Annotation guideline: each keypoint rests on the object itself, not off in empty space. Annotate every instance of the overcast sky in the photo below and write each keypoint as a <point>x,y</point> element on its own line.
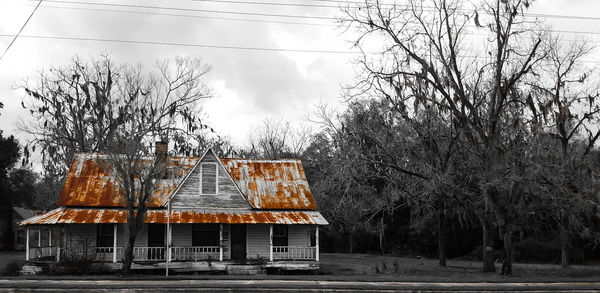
<point>250,85</point>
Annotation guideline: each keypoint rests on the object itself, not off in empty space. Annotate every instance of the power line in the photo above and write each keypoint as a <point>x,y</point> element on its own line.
<point>190,16</point>
<point>253,20</point>
<point>269,3</point>
<point>182,44</point>
<point>191,9</point>
<point>245,48</point>
<point>20,30</point>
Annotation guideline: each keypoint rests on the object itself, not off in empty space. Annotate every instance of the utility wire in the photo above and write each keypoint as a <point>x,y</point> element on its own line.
<point>182,44</point>
<point>245,48</point>
<point>20,30</point>
<point>269,3</point>
<point>190,9</point>
<point>190,16</point>
<point>361,4</point>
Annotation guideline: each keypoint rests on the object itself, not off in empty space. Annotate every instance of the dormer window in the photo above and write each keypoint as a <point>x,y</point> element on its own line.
<point>208,182</point>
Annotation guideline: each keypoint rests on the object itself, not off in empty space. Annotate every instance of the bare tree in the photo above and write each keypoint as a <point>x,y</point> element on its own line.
<point>277,138</point>
<point>120,111</point>
<point>565,115</point>
<point>425,44</point>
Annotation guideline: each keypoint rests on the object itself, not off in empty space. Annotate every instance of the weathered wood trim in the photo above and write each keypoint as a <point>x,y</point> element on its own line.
<point>27,244</point>
<point>201,181</point>
<point>271,242</point>
<point>114,243</point>
<point>317,242</point>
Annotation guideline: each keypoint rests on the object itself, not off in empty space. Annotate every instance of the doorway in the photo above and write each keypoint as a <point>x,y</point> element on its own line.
<point>156,238</point>
<point>238,241</point>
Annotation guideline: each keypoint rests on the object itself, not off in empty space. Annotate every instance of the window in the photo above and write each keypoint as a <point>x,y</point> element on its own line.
<point>280,235</point>
<point>205,235</point>
<point>208,182</point>
<point>20,237</point>
<point>105,235</point>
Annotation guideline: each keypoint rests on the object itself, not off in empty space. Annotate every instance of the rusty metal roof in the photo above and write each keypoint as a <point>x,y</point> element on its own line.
<point>64,215</point>
<point>91,183</point>
<point>266,184</point>
<point>272,184</point>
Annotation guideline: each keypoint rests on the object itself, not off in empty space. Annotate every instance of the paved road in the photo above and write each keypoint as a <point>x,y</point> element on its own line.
<point>19,285</point>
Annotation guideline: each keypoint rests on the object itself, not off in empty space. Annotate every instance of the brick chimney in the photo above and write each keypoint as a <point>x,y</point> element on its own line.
<point>160,152</point>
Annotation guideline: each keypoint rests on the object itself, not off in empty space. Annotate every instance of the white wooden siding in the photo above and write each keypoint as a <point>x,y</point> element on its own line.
<point>257,241</point>
<point>298,235</point>
<point>181,235</point>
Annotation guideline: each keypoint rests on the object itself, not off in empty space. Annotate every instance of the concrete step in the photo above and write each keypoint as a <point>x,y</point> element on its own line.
<point>245,269</point>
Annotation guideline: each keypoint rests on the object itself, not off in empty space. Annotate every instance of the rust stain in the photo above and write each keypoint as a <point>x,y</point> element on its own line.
<point>64,215</point>
<point>272,184</point>
<point>90,182</point>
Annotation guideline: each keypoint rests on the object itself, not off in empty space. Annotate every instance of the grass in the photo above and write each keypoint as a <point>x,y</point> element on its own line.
<point>364,267</point>
<point>419,269</point>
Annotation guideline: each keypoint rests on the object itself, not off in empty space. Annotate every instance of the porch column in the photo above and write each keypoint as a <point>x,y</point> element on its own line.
<point>50,237</point>
<point>317,242</point>
<point>40,238</point>
<point>220,242</point>
<point>115,242</point>
<point>27,243</point>
<point>271,242</point>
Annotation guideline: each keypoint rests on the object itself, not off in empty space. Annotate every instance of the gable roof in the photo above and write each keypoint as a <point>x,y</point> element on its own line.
<point>265,184</point>
<point>23,212</point>
<point>272,184</point>
<point>228,194</point>
<point>89,183</point>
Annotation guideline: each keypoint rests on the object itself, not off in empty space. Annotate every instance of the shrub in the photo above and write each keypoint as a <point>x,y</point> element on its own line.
<point>13,268</point>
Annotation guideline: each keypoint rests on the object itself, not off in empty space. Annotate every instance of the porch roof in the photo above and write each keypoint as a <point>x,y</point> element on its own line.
<point>64,215</point>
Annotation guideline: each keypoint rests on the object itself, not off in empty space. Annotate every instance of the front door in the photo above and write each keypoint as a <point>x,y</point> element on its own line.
<point>156,241</point>
<point>238,241</point>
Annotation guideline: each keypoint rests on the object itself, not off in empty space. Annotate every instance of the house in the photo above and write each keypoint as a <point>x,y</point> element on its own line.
<point>207,213</point>
<point>12,236</point>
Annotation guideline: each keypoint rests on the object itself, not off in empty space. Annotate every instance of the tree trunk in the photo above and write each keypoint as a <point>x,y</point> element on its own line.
<point>350,244</point>
<point>441,235</point>
<point>130,244</point>
<point>488,245</point>
<point>9,239</point>
<point>564,243</point>
<point>508,251</point>
<point>381,236</point>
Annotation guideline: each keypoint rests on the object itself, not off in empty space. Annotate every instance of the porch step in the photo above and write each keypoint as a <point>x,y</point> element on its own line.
<point>235,269</point>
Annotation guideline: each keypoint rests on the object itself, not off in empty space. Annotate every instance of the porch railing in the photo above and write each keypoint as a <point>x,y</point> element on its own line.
<point>195,253</point>
<point>294,252</point>
<point>43,252</point>
<point>149,253</point>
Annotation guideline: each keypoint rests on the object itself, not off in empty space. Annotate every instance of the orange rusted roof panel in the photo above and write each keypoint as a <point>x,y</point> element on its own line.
<point>272,184</point>
<point>65,215</point>
<point>91,182</point>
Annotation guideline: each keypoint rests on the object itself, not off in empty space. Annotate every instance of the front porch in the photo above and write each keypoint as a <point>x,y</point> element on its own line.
<point>236,244</point>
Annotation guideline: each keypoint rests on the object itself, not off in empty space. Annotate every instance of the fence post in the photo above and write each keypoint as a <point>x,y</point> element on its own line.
<point>317,243</point>
<point>271,242</point>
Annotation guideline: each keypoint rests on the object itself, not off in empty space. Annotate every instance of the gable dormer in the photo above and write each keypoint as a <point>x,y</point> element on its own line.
<point>209,185</point>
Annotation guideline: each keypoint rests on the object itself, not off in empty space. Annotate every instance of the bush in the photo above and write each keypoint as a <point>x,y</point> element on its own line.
<point>535,250</point>
<point>13,268</point>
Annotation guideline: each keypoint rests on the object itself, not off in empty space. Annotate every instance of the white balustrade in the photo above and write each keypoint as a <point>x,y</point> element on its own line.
<point>195,253</point>
<point>294,252</point>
